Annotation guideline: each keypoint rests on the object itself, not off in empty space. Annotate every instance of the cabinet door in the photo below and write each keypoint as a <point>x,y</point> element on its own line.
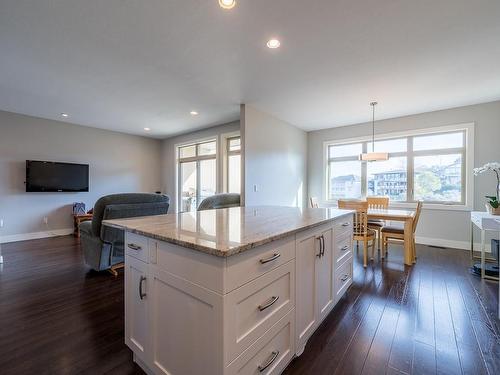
<point>325,292</point>
<point>307,253</point>
<point>136,306</point>
<point>186,326</point>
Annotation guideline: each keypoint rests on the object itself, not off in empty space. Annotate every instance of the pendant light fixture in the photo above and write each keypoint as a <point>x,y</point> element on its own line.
<point>373,156</point>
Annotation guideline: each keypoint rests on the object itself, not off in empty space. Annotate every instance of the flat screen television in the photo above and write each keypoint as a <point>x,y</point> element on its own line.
<point>48,176</point>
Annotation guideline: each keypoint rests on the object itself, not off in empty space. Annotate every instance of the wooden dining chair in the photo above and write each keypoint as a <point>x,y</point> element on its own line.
<point>361,232</point>
<point>314,202</point>
<point>396,234</point>
<point>377,203</point>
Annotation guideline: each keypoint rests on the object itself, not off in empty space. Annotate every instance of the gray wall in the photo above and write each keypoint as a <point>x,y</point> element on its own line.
<point>169,160</point>
<point>118,163</point>
<point>275,159</point>
<point>452,227</point>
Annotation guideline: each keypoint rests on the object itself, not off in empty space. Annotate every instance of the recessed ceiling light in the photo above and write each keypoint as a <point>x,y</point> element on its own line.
<point>193,113</point>
<point>147,129</point>
<point>64,115</point>
<point>273,43</point>
<point>227,4</point>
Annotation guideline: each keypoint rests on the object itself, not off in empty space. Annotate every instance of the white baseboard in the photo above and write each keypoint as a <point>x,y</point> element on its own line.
<point>463,245</point>
<point>35,235</point>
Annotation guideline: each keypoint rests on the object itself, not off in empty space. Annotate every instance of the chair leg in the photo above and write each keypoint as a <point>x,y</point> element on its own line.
<point>380,239</point>
<point>115,267</point>
<point>365,253</point>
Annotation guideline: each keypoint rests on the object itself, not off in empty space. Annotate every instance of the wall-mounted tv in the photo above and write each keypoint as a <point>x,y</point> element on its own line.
<point>48,176</point>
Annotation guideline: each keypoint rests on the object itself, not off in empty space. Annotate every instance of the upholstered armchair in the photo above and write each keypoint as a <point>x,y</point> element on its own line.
<point>103,246</point>
<point>220,201</point>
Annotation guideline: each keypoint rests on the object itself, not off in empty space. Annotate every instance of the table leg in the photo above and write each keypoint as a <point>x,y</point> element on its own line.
<point>482,253</point>
<point>408,253</point>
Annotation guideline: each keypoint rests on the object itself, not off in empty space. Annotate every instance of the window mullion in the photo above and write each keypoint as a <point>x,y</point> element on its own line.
<point>364,171</point>
<point>410,163</point>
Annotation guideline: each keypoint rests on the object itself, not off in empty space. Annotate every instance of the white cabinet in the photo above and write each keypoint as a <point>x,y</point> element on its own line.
<point>136,307</point>
<point>185,326</point>
<point>315,281</point>
<point>189,312</point>
<point>324,276</point>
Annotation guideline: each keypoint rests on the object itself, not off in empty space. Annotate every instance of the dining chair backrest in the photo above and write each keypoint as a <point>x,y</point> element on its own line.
<point>314,202</point>
<point>378,202</point>
<point>418,210</point>
<point>360,225</point>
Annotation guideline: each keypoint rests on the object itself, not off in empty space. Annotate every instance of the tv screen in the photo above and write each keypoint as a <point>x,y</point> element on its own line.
<point>48,176</point>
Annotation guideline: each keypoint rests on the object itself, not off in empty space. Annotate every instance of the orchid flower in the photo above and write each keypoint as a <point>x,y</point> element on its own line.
<point>495,168</point>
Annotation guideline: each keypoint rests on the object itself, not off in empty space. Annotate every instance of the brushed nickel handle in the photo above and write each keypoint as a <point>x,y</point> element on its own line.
<point>323,247</point>
<point>345,248</point>
<point>344,278</point>
<point>141,293</point>
<point>270,259</point>
<point>345,224</point>
<point>133,246</point>
<point>270,361</point>
<point>269,303</point>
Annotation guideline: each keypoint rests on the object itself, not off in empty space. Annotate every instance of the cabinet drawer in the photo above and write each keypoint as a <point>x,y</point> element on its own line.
<point>251,264</point>
<point>136,246</point>
<point>271,353</point>
<point>255,307</point>
<point>342,225</point>
<point>342,248</point>
<point>343,278</point>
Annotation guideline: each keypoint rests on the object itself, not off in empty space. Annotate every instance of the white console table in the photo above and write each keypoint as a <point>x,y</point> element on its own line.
<point>485,222</point>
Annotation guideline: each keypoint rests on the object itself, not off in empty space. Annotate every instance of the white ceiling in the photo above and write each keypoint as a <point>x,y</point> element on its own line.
<point>129,64</point>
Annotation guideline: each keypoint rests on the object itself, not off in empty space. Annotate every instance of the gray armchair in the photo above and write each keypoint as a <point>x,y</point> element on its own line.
<point>103,246</point>
<point>220,201</point>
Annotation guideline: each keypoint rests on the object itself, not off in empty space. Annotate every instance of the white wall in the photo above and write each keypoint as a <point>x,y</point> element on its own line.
<point>450,228</point>
<point>169,159</point>
<point>118,163</point>
<point>275,159</point>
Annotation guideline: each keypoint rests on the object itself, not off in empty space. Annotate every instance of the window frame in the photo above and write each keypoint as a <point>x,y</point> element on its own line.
<point>467,153</point>
<point>225,139</point>
<point>197,158</point>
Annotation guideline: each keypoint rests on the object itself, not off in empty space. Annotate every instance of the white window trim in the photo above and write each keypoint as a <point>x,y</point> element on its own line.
<point>469,163</point>
<point>225,160</point>
<point>177,146</point>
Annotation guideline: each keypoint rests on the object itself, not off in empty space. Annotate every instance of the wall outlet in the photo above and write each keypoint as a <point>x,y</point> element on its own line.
<point>45,220</point>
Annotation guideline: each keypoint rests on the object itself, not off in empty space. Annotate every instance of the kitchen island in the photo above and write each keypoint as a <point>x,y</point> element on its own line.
<point>231,291</point>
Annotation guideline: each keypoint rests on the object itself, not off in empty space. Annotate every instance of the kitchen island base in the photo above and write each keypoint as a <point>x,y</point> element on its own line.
<point>191,312</point>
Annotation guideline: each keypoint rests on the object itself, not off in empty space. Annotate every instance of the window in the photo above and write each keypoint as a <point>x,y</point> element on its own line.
<point>428,167</point>
<point>197,173</point>
<point>233,170</point>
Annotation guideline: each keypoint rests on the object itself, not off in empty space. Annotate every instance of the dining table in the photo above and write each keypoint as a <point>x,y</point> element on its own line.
<point>400,215</point>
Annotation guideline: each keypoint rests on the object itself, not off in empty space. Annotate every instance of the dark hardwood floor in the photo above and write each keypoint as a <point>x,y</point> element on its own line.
<point>56,317</point>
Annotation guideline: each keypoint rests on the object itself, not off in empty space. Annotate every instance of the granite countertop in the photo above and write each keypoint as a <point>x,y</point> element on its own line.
<point>228,231</point>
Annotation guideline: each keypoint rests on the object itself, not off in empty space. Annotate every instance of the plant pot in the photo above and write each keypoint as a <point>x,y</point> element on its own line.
<point>492,210</point>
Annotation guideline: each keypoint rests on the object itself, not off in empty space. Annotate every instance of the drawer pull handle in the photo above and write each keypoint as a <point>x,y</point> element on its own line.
<point>270,361</point>
<point>133,246</point>
<point>270,259</point>
<point>141,293</point>
<point>345,248</point>
<point>344,278</point>
<point>269,303</point>
<point>346,224</point>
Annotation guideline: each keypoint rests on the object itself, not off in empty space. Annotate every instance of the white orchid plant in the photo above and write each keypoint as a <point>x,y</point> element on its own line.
<point>494,201</point>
